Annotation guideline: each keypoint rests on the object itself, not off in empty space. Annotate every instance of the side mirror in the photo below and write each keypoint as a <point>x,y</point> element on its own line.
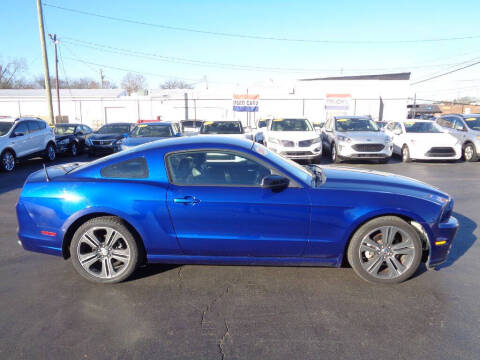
<point>397,132</point>
<point>18,133</point>
<point>275,182</point>
<point>178,134</point>
<point>126,135</point>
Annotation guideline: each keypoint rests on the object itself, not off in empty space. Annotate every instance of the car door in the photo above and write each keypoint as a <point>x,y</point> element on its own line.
<point>218,207</point>
<point>459,130</point>
<point>35,141</point>
<point>19,139</point>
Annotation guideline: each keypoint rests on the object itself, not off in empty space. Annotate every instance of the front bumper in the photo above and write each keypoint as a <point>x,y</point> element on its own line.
<point>102,149</point>
<point>441,243</point>
<point>426,153</point>
<point>297,152</point>
<point>347,150</point>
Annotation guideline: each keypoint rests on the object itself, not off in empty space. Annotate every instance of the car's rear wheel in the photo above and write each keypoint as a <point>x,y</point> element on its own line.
<point>50,153</point>
<point>406,154</point>
<point>385,250</point>
<point>8,161</point>
<point>469,152</point>
<point>104,250</point>
<point>74,149</point>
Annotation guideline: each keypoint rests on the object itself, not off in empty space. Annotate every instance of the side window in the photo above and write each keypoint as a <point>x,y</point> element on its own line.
<point>33,126</point>
<point>459,125</point>
<point>390,126</point>
<point>212,167</point>
<point>21,128</point>
<point>41,125</point>
<point>129,169</point>
<point>448,122</point>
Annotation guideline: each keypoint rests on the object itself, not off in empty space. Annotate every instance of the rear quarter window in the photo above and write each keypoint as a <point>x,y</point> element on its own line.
<point>129,169</point>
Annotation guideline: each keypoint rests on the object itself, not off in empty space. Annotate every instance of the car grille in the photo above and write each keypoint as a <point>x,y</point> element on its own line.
<point>368,147</point>
<point>440,152</point>
<point>101,142</point>
<point>287,143</point>
<point>298,153</point>
<point>305,143</point>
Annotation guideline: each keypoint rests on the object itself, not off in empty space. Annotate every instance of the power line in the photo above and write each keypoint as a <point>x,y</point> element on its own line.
<point>448,72</point>
<point>256,37</point>
<point>189,61</point>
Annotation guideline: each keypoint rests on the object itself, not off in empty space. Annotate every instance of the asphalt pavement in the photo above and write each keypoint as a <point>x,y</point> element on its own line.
<point>244,312</point>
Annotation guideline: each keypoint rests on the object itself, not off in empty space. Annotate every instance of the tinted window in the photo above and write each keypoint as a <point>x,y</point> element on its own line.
<point>21,128</point>
<point>473,122</point>
<point>64,129</point>
<point>215,168</point>
<point>222,127</point>
<point>130,169</point>
<point>41,124</point>
<point>355,124</point>
<point>114,129</point>
<point>33,126</point>
<point>421,127</point>
<point>86,129</point>
<point>5,127</point>
<point>152,131</point>
<point>291,125</point>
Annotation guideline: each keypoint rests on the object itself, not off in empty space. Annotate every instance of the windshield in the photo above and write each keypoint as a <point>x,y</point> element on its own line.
<point>152,131</point>
<point>5,127</point>
<point>421,127</point>
<point>64,129</point>
<point>355,124</point>
<point>192,124</point>
<point>473,122</point>
<point>291,125</point>
<point>114,129</point>
<point>222,127</point>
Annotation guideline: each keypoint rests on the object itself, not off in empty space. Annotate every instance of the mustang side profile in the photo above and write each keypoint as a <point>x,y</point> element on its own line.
<point>220,200</point>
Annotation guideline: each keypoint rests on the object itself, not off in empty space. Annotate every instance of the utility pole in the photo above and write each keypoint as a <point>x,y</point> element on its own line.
<point>45,62</point>
<point>414,105</point>
<point>186,106</point>
<point>55,42</point>
<point>102,79</point>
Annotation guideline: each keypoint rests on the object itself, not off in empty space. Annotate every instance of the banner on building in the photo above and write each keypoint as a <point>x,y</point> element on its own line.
<point>337,105</point>
<point>245,102</point>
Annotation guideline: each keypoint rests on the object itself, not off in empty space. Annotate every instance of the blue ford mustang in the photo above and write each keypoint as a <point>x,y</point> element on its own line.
<point>214,200</point>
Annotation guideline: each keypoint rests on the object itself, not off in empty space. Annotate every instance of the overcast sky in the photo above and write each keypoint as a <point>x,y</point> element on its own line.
<point>87,41</point>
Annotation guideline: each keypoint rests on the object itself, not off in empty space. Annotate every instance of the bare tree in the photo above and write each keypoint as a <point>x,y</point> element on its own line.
<point>176,84</point>
<point>133,82</point>
<point>10,73</point>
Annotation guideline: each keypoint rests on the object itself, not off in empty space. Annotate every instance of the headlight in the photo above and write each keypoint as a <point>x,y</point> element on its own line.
<point>273,141</point>
<point>478,137</point>
<point>344,138</point>
<point>316,140</point>
<point>63,142</point>
<point>388,140</point>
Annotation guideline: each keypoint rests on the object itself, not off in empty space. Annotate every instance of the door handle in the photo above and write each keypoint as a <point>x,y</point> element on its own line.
<point>187,200</point>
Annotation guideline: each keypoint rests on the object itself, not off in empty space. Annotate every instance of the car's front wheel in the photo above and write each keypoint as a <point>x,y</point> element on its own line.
<point>469,152</point>
<point>334,154</point>
<point>385,250</point>
<point>8,161</point>
<point>103,250</point>
<point>406,154</point>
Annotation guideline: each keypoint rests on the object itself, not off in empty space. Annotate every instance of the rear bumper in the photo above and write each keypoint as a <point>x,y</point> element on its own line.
<point>441,243</point>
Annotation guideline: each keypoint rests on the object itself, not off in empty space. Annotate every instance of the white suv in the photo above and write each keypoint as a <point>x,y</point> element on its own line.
<point>24,137</point>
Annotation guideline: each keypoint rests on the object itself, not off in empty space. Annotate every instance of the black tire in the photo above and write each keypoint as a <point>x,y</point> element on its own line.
<point>50,153</point>
<point>126,239</point>
<point>354,253</point>
<point>469,152</point>
<point>74,149</point>
<point>8,161</point>
<point>406,154</point>
<point>334,154</point>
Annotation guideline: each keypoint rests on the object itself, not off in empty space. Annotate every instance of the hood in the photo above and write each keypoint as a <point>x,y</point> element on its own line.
<point>364,136</point>
<point>62,137</point>
<point>134,141</point>
<point>368,180</point>
<point>433,139</point>
<point>293,135</point>
<point>105,136</point>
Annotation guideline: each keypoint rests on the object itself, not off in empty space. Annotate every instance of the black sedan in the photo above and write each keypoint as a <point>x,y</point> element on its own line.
<point>70,138</point>
<point>106,139</point>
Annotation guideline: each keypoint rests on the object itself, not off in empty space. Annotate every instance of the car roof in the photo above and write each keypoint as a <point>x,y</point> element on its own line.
<point>207,140</point>
<point>352,117</point>
<point>119,123</point>
<point>7,119</point>
<point>69,124</point>
<point>163,123</point>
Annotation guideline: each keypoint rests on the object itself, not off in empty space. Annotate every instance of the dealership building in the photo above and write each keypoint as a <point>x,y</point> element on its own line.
<point>381,96</point>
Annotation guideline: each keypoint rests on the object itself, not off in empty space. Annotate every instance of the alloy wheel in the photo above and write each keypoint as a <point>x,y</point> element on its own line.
<point>468,152</point>
<point>103,252</point>
<point>387,252</point>
<point>334,153</point>
<point>8,161</point>
<point>51,152</point>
